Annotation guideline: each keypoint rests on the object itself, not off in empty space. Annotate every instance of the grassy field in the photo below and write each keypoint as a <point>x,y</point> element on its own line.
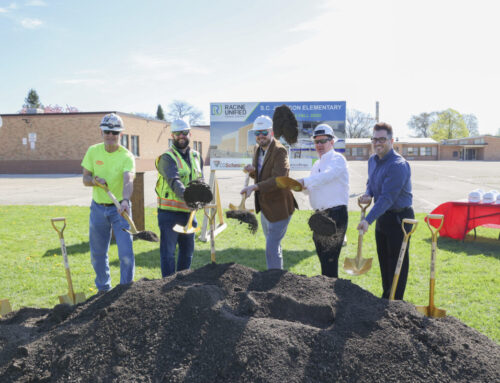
<point>32,274</point>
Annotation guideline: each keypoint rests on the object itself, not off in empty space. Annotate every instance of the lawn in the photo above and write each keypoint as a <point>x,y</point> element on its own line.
<point>32,273</point>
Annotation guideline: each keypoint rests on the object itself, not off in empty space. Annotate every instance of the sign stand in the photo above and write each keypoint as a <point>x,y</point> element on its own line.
<point>215,211</point>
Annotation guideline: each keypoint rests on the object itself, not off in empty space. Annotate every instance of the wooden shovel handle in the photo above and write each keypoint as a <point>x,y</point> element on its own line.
<point>434,216</point>
<point>59,219</point>
<point>118,206</point>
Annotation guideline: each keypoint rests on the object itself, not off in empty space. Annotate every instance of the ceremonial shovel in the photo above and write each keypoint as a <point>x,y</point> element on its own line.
<point>188,229</point>
<point>243,198</point>
<point>284,182</point>
<point>359,265</point>
<point>5,307</point>
<point>71,298</point>
<point>144,235</point>
<point>210,212</point>
<point>409,221</point>
<point>431,310</point>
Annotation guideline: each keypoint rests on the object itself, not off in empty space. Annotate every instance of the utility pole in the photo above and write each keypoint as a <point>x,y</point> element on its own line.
<point>376,111</point>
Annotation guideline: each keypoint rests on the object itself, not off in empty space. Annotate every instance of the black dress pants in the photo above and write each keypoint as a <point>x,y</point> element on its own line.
<point>328,247</point>
<point>389,237</point>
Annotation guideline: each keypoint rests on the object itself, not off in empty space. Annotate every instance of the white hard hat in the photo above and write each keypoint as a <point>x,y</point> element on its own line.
<point>323,130</point>
<point>112,122</point>
<point>179,125</point>
<point>262,123</point>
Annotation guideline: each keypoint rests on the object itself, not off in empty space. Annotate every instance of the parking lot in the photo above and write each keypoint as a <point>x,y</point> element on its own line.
<point>434,182</point>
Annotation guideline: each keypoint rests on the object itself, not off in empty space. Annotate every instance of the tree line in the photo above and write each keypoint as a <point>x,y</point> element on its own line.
<point>438,125</point>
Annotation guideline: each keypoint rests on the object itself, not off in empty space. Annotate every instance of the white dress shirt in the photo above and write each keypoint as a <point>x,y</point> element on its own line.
<point>328,183</point>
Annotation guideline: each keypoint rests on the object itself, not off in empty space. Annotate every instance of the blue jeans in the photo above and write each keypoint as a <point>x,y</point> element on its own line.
<point>274,233</point>
<point>102,219</point>
<point>169,239</point>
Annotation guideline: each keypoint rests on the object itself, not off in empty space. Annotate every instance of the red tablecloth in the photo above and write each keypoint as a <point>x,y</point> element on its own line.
<point>462,217</point>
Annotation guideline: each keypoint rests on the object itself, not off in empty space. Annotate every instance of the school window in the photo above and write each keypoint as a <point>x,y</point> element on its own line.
<point>200,149</point>
<point>170,142</point>
<point>425,151</point>
<point>135,146</point>
<point>455,154</point>
<point>124,140</point>
<point>412,151</point>
<point>195,145</point>
<point>347,151</point>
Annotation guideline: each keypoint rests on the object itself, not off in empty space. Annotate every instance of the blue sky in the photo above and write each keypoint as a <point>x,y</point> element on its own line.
<point>130,56</point>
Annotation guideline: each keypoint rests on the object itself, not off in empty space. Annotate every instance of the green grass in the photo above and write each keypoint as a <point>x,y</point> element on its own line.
<point>32,274</point>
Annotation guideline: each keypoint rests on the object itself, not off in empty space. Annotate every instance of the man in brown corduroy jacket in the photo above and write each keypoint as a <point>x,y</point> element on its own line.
<point>276,205</point>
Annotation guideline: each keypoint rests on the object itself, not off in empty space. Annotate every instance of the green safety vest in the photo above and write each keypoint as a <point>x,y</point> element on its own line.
<point>167,199</point>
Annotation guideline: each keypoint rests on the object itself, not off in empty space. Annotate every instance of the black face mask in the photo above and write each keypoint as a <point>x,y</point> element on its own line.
<point>177,144</point>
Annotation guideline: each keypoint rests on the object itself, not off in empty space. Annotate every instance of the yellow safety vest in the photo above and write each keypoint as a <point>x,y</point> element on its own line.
<point>167,199</point>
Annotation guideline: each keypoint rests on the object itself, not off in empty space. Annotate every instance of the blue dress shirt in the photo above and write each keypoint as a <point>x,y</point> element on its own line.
<point>389,182</point>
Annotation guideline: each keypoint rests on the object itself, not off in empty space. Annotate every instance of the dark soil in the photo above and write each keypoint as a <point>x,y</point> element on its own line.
<point>321,224</point>
<point>230,323</point>
<point>197,194</point>
<point>244,216</point>
<point>285,124</point>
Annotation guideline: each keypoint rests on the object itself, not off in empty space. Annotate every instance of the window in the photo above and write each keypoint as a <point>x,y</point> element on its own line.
<point>135,146</point>
<point>347,151</point>
<point>412,151</point>
<point>425,150</point>
<point>455,154</point>
<point>195,145</point>
<point>124,140</point>
<point>170,142</point>
<point>479,141</point>
<point>199,149</point>
<point>358,151</point>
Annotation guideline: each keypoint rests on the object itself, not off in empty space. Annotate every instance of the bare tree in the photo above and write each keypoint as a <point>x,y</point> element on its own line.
<point>471,123</point>
<point>421,123</point>
<point>359,124</point>
<point>182,109</point>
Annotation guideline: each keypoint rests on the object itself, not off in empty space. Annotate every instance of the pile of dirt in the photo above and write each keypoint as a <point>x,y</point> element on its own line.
<point>285,124</point>
<point>197,194</point>
<point>230,323</point>
<point>244,216</point>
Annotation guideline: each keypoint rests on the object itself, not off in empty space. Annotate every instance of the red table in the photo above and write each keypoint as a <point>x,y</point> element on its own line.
<point>462,217</point>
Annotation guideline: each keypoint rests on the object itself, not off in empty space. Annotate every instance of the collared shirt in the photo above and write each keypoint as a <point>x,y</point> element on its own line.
<point>328,183</point>
<point>260,159</point>
<point>389,182</point>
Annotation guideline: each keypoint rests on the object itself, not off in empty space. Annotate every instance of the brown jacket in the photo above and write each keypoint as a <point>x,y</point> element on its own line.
<point>276,204</point>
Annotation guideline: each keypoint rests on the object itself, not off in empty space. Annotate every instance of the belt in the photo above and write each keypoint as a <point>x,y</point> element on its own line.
<point>105,204</point>
<point>335,208</point>
<point>399,210</point>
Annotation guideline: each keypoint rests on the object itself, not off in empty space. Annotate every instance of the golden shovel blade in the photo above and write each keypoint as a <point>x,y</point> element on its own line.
<point>79,298</point>
<point>432,312</point>
<point>185,230</point>
<point>352,267</point>
<point>288,183</point>
<point>5,307</point>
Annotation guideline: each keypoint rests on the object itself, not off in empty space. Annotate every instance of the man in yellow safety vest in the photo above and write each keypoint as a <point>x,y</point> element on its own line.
<point>176,168</point>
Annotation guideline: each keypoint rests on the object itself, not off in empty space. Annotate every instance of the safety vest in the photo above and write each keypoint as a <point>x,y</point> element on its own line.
<point>167,199</point>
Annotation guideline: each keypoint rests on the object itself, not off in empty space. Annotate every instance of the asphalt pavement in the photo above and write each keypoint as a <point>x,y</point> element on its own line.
<point>434,182</point>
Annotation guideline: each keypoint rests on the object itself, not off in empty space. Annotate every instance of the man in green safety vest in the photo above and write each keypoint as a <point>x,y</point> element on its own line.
<point>176,168</point>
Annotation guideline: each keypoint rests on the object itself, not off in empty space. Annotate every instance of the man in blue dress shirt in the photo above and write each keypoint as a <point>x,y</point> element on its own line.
<point>389,183</point>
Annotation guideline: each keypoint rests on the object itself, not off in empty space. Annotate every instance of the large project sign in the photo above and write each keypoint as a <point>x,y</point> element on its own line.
<point>232,144</point>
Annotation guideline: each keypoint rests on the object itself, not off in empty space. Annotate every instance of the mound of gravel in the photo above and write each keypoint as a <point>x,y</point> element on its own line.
<point>230,323</point>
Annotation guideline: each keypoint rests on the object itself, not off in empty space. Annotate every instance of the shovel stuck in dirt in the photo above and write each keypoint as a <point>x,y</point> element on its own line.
<point>242,214</point>
<point>71,298</point>
<point>144,235</point>
<point>359,265</point>
<point>5,307</point>
<point>210,212</point>
<point>409,221</point>
<point>431,310</point>
<point>197,195</point>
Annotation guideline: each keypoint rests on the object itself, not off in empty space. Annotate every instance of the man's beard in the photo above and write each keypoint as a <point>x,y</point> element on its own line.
<point>183,145</point>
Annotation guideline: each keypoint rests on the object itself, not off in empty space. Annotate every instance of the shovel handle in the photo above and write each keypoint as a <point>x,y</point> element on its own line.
<point>118,206</point>
<point>409,221</point>
<point>59,219</point>
<point>363,207</point>
<point>436,230</point>
<point>360,245</point>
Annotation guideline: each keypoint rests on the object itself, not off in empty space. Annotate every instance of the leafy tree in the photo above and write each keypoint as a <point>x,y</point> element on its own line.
<point>182,109</point>
<point>449,124</point>
<point>471,124</point>
<point>358,124</point>
<point>159,113</point>
<point>32,100</point>
<point>420,124</point>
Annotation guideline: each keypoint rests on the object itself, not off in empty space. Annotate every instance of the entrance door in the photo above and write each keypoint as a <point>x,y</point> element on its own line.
<point>470,154</point>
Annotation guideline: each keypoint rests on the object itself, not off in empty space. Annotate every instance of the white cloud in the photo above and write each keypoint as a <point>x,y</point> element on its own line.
<point>184,66</point>
<point>12,6</point>
<point>31,23</point>
<point>3,10</point>
<point>36,3</point>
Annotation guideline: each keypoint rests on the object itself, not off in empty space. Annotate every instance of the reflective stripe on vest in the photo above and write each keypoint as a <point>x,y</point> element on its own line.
<point>167,200</point>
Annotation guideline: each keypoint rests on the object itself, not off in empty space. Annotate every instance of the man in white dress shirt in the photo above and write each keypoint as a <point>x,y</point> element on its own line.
<point>328,189</point>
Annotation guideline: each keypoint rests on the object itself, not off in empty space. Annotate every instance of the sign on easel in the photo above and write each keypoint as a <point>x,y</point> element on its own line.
<point>221,225</point>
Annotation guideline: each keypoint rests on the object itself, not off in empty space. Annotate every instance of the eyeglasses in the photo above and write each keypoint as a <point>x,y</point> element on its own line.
<point>322,141</point>
<point>259,132</point>
<point>183,132</point>
<point>114,133</point>
<point>381,140</point>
